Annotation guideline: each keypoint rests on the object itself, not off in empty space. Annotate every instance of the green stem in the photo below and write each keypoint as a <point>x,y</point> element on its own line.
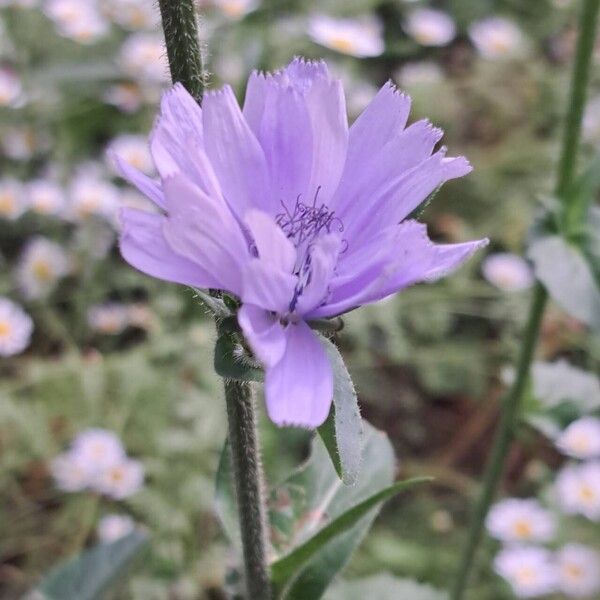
<point>185,61</point>
<point>245,458</point>
<point>512,402</point>
<point>183,47</point>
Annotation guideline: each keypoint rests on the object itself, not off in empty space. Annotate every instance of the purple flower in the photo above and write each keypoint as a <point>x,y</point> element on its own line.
<point>284,206</point>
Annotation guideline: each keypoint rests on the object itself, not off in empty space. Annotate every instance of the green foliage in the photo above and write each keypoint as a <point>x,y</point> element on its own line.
<point>94,572</point>
<point>383,587</point>
<point>232,362</point>
<point>342,433</point>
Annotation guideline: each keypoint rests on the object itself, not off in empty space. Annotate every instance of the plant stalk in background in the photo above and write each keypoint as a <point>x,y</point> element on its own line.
<point>572,217</point>
<point>185,62</point>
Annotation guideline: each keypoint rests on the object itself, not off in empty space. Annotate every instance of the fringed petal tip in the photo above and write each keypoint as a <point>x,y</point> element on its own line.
<point>391,87</point>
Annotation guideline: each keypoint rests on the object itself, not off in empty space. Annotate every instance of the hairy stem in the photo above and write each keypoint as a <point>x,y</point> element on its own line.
<point>245,457</point>
<point>183,46</point>
<point>185,62</point>
<point>512,401</point>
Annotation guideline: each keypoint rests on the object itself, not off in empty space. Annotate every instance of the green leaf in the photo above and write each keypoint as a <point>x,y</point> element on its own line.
<point>564,271</point>
<point>225,502</point>
<point>285,568</point>
<point>214,305</point>
<point>91,574</point>
<point>342,432</point>
<point>383,587</point>
<point>231,361</point>
<point>314,497</point>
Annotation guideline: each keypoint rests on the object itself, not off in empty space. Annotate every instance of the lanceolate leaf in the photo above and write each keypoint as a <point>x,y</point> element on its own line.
<point>231,362</point>
<point>285,568</point>
<point>342,433</point>
<point>91,574</point>
<point>314,497</point>
<point>565,273</point>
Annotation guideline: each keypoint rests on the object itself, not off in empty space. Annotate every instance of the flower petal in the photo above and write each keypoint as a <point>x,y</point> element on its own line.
<point>146,185</point>
<point>236,155</point>
<point>383,119</point>
<point>267,286</point>
<point>144,247</point>
<point>203,229</point>
<point>299,388</point>
<point>264,333</point>
<point>272,244</point>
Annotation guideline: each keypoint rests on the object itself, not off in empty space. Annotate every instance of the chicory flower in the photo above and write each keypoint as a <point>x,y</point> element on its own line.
<point>299,216</point>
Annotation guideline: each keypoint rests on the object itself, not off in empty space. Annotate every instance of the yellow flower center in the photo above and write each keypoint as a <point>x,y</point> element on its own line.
<point>234,8</point>
<point>526,575</point>
<point>117,475</point>
<point>587,494</point>
<point>573,571</point>
<point>5,329</point>
<point>7,203</point>
<point>522,529</point>
<point>342,44</point>
<point>42,270</point>
<point>500,45</point>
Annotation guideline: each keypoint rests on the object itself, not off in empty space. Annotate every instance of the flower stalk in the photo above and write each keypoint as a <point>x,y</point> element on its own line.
<point>185,63</point>
<point>573,218</point>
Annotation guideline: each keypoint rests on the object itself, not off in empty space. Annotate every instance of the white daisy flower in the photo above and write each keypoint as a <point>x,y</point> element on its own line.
<point>69,473</point>
<point>110,318</point>
<point>133,149</point>
<point>143,58</point>
<point>581,439</point>
<point>236,9</point>
<point>45,197</point>
<point>132,14</point>
<point>128,97</point>
<point>356,37</point>
<point>528,569</point>
<point>12,199</point>
<point>121,480</point>
<point>91,195</point>
<point>16,328</point>
<point>23,142</point>
<point>114,527</point>
<point>41,265</point>
<point>578,571</point>
<point>11,89</point>
<point>496,38</point>
<point>517,520</point>
<point>417,74</point>
<point>79,20</point>
<point>578,490</point>
<point>508,272</point>
<point>430,27</point>
<point>98,450</point>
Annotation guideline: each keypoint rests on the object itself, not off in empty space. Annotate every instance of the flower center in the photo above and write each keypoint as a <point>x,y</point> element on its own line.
<point>4,329</point>
<point>522,529</point>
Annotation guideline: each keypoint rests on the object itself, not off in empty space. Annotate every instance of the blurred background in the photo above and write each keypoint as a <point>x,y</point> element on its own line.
<point>94,355</point>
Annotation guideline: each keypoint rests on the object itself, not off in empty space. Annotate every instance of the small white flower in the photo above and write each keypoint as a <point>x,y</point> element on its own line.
<point>132,14</point>
<point>98,450</point>
<point>110,318</point>
<point>113,527</point>
<point>430,27</point>
<point>70,474</point>
<point>41,265</point>
<point>517,520</point>
<point>581,439</point>
<point>416,74</point>
<point>528,570</point>
<point>121,480</point>
<point>578,571</point>
<point>78,20</point>
<point>356,37</point>
<point>23,142</point>
<point>11,89</point>
<point>45,197</point>
<point>12,199</point>
<point>127,97</point>
<point>133,149</point>
<point>91,195</point>
<point>236,9</point>
<point>578,490</point>
<point>143,58</point>
<point>496,37</point>
<point>507,272</point>
<point>16,328</point>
